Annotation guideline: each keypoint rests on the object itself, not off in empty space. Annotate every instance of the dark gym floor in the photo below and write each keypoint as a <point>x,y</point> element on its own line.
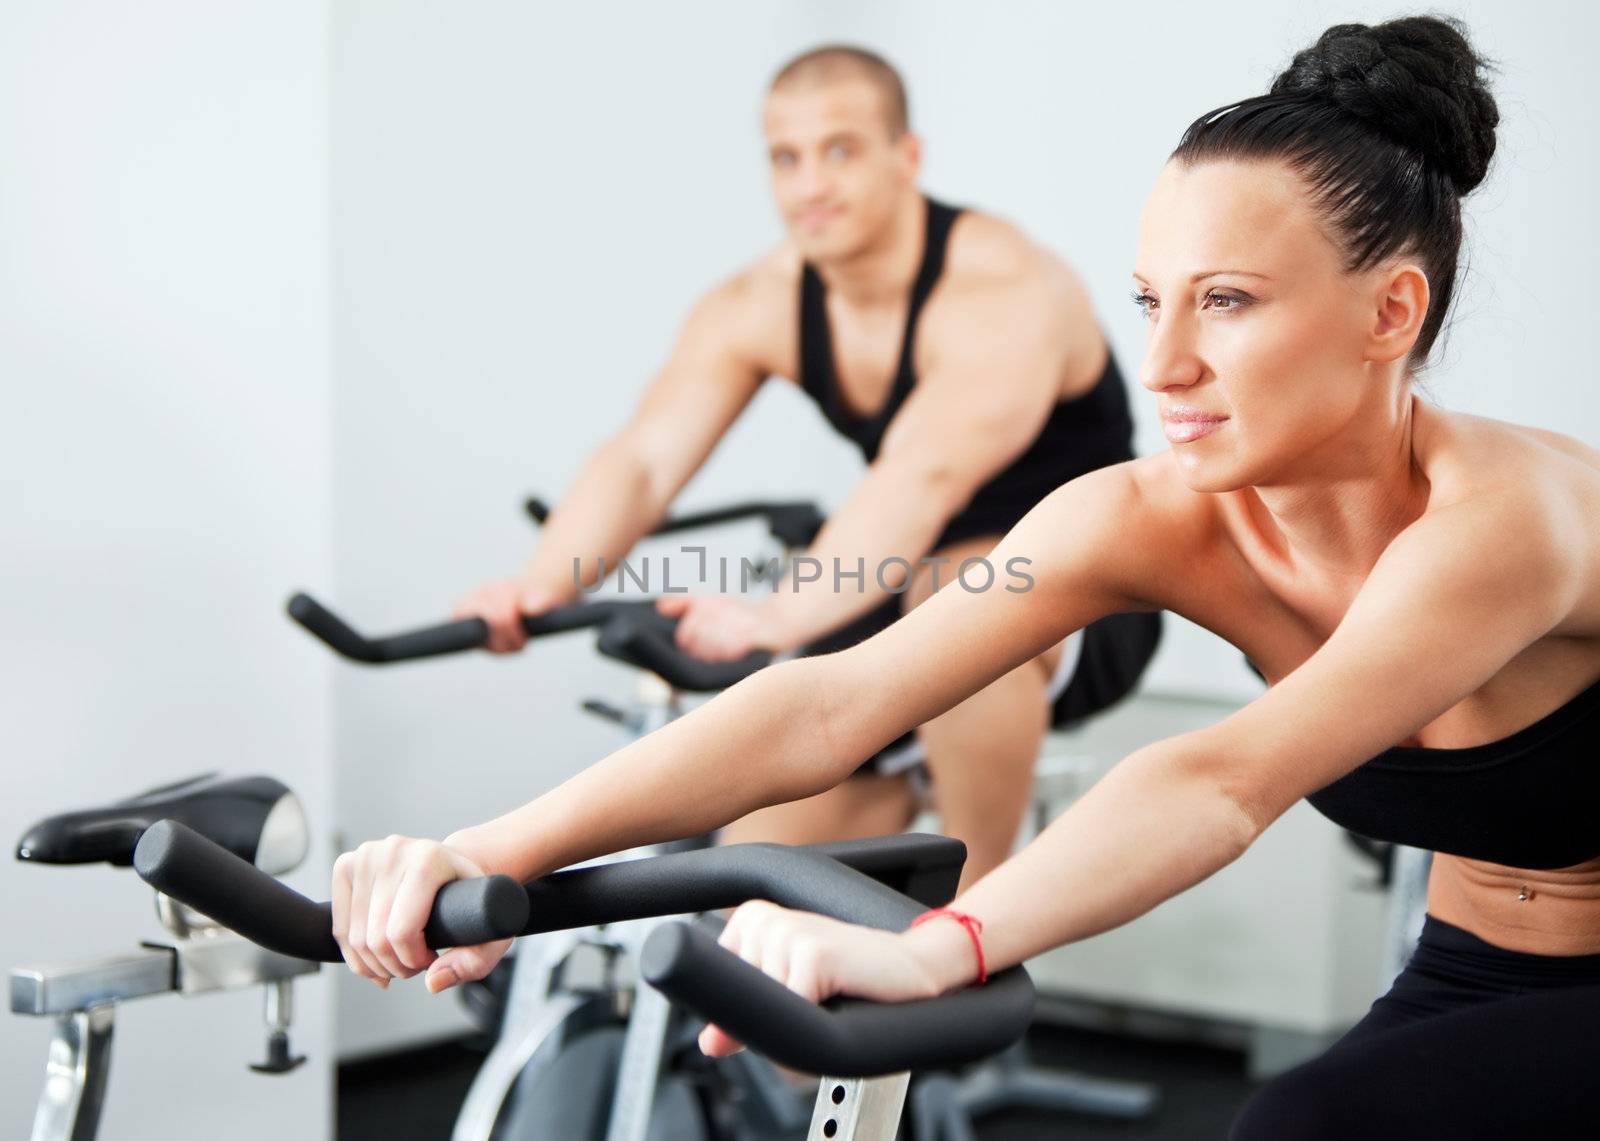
<point>414,1095</point>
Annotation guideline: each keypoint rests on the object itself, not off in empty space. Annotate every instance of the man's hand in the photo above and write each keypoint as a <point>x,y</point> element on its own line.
<point>715,628</point>
<point>503,604</point>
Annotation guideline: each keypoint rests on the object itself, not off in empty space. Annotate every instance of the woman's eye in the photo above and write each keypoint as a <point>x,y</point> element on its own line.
<point>838,152</point>
<point>1223,301</point>
<point>1146,303</point>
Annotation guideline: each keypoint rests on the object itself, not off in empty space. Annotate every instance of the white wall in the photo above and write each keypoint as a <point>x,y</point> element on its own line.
<point>528,198</point>
<point>524,201</point>
<point>163,443</point>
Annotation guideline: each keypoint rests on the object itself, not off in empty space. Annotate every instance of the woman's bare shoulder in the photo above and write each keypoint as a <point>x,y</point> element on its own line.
<point>1466,457</point>
<point>1136,520</point>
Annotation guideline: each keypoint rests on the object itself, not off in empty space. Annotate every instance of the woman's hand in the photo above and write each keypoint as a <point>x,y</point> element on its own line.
<point>382,896</point>
<point>817,958</point>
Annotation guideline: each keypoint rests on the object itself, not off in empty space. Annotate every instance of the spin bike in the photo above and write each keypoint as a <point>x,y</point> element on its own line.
<point>866,1049</point>
<point>609,1059</point>
<point>257,822</point>
<point>945,1105</point>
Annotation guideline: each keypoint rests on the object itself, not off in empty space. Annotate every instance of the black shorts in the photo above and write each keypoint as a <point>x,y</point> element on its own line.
<point>1111,657</point>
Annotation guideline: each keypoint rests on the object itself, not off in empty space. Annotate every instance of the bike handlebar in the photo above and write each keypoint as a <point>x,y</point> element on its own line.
<point>180,862</point>
<point>846,1037</point>
<point>631,631</point>
<point>648,639</point>
<point>445,638</point>
<point>794,523</point>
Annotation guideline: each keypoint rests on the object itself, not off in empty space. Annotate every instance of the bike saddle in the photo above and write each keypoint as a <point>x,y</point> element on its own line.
<point>256,818</point>
<point>647,639</point>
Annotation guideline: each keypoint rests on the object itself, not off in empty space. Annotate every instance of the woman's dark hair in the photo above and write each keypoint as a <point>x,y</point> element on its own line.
<point>1390,126</point>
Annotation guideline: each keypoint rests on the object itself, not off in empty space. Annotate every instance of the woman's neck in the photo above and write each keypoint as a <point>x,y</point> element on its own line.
<point>1345,505</point>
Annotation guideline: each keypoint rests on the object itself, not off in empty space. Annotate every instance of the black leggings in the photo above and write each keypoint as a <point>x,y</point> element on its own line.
<point>1472,1041</point>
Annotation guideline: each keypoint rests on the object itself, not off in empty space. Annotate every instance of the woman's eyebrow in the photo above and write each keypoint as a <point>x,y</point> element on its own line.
<point>1199,277</point>
<point>1203,274</point>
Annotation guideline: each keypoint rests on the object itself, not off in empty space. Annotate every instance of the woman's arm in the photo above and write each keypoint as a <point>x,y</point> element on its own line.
<point>1454,599</point>
<point>801,727</point>
<point>788,732</point>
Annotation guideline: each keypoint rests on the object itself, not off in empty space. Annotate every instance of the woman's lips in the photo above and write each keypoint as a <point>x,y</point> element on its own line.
<point>1186,425</point>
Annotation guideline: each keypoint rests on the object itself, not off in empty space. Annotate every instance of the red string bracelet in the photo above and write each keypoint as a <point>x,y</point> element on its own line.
<point>974,928</point>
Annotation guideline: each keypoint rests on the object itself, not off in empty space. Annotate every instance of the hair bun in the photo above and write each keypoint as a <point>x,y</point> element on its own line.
<point>1415,80</point>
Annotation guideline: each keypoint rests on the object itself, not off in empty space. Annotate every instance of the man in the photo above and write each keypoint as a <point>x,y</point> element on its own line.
<point>966,363</point>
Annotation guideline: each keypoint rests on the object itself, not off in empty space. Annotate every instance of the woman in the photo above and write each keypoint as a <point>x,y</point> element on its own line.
<point>1421,589</point>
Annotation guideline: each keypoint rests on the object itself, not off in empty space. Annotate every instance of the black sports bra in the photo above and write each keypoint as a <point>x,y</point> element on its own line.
<point>1086,432</point>
<point>1530,800</point>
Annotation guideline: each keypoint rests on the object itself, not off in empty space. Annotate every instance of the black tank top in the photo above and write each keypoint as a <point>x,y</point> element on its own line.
<point>1087,432</point>
<point>1530,800</point>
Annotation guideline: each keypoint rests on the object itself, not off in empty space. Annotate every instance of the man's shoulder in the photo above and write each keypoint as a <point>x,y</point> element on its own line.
<point>746,308</point>
<point>757,287</point>
<point>988,251</point>
<point>997,276</point>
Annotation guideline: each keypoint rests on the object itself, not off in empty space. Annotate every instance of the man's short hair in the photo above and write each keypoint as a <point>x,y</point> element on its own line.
<point>838,61</point>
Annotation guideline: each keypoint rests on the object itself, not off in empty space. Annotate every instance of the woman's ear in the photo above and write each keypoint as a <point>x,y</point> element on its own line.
<point>1400,305</point>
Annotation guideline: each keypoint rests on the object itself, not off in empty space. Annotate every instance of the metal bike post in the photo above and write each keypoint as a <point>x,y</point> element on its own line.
<point>75,1076</point>
<point>858,1109</point>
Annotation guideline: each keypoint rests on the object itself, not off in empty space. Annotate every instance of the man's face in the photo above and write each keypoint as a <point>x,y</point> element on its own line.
<point>837,175</point>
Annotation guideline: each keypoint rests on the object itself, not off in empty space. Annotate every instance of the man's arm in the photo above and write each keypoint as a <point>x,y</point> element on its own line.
<point>627,483</point>
<point>786,732</point>
<point>800,727</point>
<point>993,377</point>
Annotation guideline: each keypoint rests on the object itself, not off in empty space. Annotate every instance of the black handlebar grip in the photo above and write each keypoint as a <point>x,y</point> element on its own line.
<point>794,523</point>
<point>431,641</point>
<point>848,1039</point>
<point>447,638</point>
<point>580,616</point>
<point>844,1038</point>
<point>647,639</point>
<point>925,867</point>
<point>185,865</point>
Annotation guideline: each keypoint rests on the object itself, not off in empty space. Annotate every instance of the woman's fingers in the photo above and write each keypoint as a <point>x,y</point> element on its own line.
<point>758,932</point>
<point>715,1043</point>
<point>360,910</point>
<point>343,887</point>
<point>772,953</point>
<point>408,915</point>
<point>383,894</point>
<point>379,901</point>
<point>803,963</point>
<point>464,965</point>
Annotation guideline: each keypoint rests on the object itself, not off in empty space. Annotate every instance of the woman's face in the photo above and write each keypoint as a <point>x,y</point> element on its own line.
<point>1258,337</point>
